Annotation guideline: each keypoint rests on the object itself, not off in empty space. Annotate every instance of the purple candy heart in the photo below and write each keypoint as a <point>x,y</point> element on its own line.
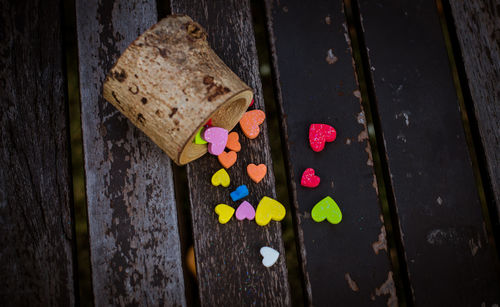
<point>245,210</point>
<point>216,138</point>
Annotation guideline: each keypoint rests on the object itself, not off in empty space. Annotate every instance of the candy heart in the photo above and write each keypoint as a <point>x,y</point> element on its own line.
<point>250,123</point>
<point>198,139</point>
<point>233,142</point>
<point>251,103</point>
<point>239,193</point>
<point>269,209</point>
<point>328,209</point>
<point>270,256</point>
<point>319,134</point>
<point>256,172</point>
<point>224,212</point>
<point>216,138</point>
<point>245,211</point>
<point>309,179</point>
<point>221,177</point>
<point>209,123</point>
<point>227,159</point>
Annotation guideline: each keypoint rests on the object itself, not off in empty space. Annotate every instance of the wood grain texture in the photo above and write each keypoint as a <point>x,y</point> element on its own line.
<point>36,224</point>
<point>477,25</point>
<point>450,259</point>
<point>134,240</point>
<point>316,83</point>
<point>229,265</point>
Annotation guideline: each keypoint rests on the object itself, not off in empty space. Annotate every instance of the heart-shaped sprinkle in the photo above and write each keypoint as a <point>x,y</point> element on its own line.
<point>239,193</point>
<point>227,159</point>
<point>250,123</point>
<point>319,134</point>
<point>233,142</point>
<point>245,211</point>
<point>328,209</point>
<point>221,177</point>
<point>225,213</point>
<point>269,209</point>
<point>256,172</point>
<point>309,179</point>
<point>270,256</point>
<point>216,138</point>
<point>198,139</point>
<point>208,124</point>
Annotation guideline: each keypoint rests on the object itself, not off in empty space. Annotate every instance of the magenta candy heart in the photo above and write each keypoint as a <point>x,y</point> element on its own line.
<point>216,138</point>
<point>245,211</point>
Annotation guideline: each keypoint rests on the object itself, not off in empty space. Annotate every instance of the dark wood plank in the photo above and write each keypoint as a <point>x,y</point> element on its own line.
<point>134,240</point>
<point>229,265</point>
<point>478,32</point>
<point>316,86</point>
<point>36,222</point>
<point>450,259</point>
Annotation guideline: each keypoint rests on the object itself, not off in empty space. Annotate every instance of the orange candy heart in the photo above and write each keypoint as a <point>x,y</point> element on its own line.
<point>250,123</point>
<point>256,172</point>
<point>227,159</point>
<point>233,142</point>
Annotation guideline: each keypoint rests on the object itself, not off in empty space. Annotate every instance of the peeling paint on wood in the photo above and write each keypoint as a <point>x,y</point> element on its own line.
<point>295,39</point>
<point>229,266</point>
<point>381,243</point>
<point>427,154</point>
<point>388,288</point>
<point>352,284</point>
<point>134,241</point>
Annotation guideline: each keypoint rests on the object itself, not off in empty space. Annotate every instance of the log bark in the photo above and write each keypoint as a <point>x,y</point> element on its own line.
<point>169,83</point>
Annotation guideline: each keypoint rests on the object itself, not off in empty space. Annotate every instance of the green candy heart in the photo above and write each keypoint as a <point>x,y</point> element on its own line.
<point>328,209</point>
<point>198,139</point>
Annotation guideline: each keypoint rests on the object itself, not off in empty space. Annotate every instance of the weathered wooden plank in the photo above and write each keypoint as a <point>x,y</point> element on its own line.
<point>478,31</point>
<point>450,259</point>
<point>134,241</point>
<point>36,222</point>
<point>229,265</point>
<point>316,83</point>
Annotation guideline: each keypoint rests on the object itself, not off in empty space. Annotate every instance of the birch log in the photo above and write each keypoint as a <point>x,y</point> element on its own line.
<point>169,83</point>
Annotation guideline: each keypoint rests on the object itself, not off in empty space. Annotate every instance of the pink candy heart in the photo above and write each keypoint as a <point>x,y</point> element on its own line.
<point>245,211</point>
<point>216,138</point>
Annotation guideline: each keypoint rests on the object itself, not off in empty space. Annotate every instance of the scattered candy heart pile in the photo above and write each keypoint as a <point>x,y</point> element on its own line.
<point>268,209</point>
<point>327,208</point>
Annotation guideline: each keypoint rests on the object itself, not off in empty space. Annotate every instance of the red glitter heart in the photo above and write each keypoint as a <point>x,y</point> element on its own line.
<point>319,134</point>
<point>309,179</point>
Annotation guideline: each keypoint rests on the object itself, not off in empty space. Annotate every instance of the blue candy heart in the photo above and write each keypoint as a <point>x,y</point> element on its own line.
<point>239,193</point>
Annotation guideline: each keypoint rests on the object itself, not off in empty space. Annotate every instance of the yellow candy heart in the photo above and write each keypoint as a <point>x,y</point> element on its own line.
<point>225,213</point>
<point>221,177</point>
<point>269,209</point>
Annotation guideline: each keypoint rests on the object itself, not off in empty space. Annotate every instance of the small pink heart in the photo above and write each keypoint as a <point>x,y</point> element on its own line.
<point>309,179</point>
<point>245,211</point>
<point>216,138</point>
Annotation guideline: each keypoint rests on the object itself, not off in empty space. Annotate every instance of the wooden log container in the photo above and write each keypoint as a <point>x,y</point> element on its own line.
<point>169,83</point>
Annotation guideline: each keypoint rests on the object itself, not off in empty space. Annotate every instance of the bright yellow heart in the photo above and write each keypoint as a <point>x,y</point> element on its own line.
<point>269,209</point>
<point>225,213</point>
<point>221,177</point>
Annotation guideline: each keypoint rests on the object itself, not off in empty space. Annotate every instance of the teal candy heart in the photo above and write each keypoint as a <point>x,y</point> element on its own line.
<point>328,209</point>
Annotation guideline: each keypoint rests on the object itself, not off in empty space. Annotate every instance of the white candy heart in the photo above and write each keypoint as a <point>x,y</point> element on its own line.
<point>270,256</point>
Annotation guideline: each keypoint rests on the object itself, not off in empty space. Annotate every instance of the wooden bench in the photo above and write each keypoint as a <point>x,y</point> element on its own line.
<point>422,232</point>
